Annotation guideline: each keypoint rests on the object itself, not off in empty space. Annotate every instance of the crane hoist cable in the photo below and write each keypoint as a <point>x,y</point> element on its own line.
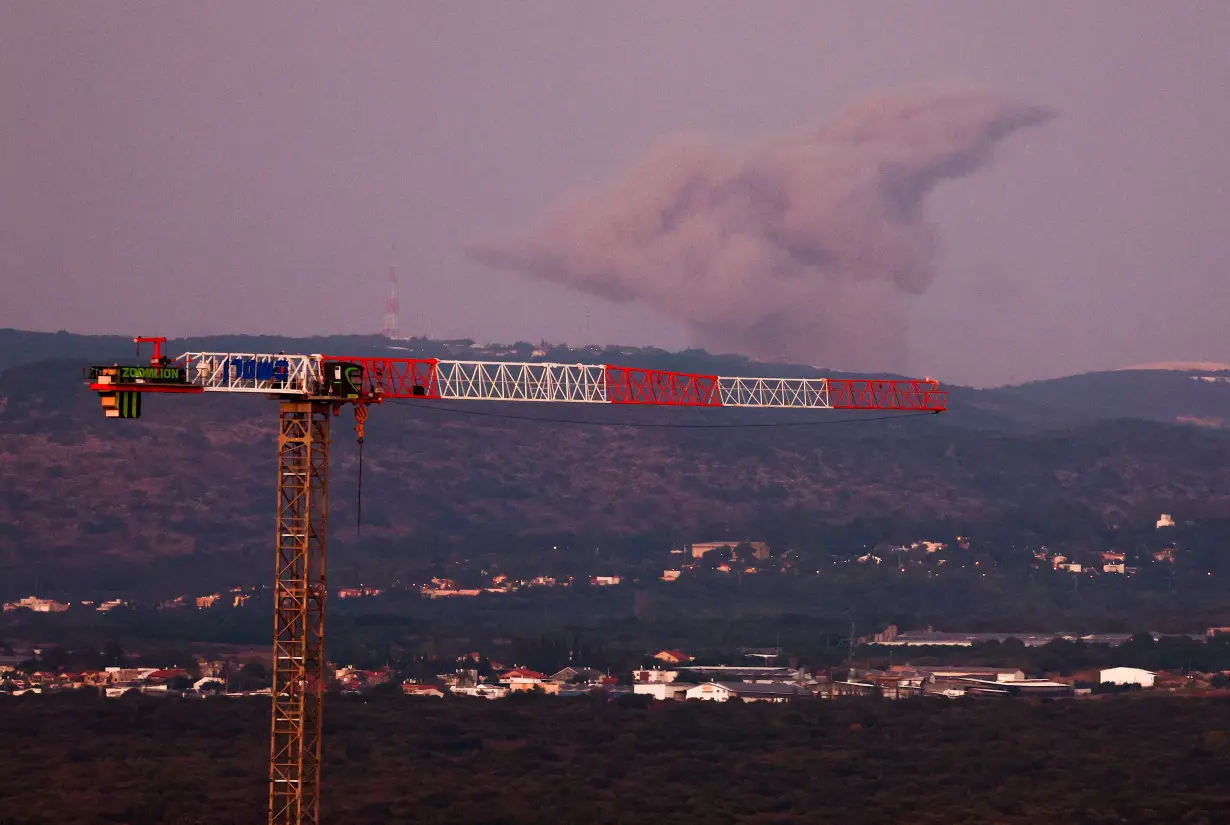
<point>358,516</point>
<point>645,425</point>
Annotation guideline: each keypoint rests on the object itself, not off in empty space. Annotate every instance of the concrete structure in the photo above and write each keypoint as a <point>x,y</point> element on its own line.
<point>1127,676</point>
<point>655,675</point>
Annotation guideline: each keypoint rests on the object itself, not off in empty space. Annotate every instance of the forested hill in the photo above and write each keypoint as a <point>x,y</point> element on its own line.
<point>187,490</point>
<point>1202,399</point>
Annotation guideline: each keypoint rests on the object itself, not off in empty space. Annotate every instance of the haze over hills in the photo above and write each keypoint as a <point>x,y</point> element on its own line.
<point>1183,366</point>
<point>184,494</point>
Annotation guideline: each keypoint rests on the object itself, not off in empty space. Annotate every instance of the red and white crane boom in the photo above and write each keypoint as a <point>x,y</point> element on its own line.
<point>368,379</point>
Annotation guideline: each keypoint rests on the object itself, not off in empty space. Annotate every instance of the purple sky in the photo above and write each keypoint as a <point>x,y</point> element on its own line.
<point>240,167</point>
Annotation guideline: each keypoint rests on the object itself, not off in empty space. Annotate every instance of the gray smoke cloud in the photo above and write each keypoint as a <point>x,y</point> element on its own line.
<point>798,246</point>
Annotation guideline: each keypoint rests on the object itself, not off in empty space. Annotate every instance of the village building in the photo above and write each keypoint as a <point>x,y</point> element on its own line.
<point>992,674</point>
<point>524,679</point>
<point>654,675</point>
<point>572,675</point>
<point>411,689</point>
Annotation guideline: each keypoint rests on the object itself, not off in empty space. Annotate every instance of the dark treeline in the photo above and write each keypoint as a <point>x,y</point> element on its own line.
<point>72,760</point>
<point>419,639</point>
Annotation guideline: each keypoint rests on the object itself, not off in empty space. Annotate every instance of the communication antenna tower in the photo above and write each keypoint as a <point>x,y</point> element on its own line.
<point>391,329</point>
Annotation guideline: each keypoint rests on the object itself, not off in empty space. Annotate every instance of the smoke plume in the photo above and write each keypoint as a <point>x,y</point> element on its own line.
<point>799,246</point>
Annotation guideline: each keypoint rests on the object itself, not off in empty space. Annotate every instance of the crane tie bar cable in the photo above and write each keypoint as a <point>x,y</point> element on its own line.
<point>657,424</point>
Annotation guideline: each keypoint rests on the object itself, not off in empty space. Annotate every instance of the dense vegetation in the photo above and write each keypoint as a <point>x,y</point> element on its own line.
<point>181,500</point>
<point>1145,760</point>
<point>420,639</point>
<point>174,499</point>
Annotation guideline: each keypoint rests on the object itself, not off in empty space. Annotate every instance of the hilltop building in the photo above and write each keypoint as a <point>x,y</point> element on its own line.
<point>37,605</point>
<point>760,549</point>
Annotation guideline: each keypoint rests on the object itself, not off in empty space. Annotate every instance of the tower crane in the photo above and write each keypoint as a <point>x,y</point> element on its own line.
<point>312,389</point>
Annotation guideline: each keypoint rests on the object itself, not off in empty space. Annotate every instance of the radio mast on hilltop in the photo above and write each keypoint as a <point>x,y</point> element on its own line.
<point>391,329</point>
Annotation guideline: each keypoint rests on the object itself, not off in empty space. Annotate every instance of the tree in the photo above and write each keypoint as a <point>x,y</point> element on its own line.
<point>180,683</point>
<point>113,654</point>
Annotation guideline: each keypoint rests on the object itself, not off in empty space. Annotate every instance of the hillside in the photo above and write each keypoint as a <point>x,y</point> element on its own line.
<point>185,493</point>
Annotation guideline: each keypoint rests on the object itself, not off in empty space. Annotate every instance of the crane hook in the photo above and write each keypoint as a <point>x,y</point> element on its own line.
<point>360,420</point>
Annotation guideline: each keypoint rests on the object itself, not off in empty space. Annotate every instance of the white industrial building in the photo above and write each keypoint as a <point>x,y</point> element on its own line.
<point>748,692</point>
<point>1127,676</point>
<point>675,691</point>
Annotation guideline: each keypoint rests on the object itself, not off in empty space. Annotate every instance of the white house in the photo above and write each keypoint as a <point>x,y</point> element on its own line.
<point>522,678</point>
<point>1127,676</point>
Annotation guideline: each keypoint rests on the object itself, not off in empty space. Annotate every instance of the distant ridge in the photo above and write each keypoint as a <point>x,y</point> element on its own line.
<point>1181,366</point>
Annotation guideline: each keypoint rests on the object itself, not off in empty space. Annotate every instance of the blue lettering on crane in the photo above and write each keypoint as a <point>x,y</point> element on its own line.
<point>252,369</point>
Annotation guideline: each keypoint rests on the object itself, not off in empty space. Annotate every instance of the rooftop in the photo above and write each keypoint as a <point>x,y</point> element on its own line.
<point>753,689</point>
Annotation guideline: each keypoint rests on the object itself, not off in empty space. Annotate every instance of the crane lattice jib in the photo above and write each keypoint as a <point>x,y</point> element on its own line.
<point>451,380</point>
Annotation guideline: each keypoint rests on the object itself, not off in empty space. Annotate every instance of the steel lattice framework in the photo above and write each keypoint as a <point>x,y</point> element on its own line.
<point>313,388</point>
<point>387,378</point>
<point>299,619</point>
